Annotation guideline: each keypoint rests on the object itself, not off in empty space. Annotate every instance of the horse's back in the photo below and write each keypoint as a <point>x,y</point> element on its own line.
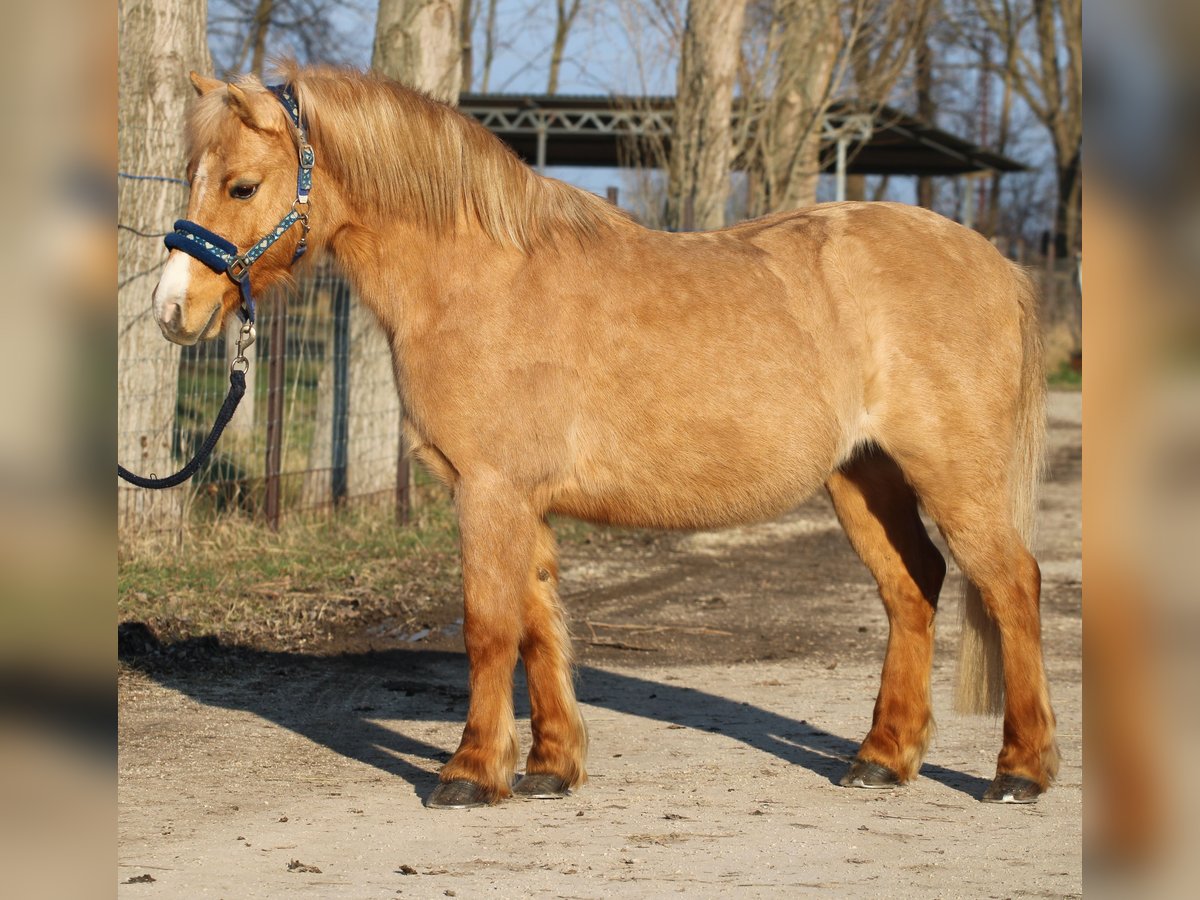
<point>943,317</point>
<point>720,382</point>
<point>764,354</point>
<point>949,354</point>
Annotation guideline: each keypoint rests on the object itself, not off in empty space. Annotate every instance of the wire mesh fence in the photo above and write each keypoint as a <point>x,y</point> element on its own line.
<point>319,427</point>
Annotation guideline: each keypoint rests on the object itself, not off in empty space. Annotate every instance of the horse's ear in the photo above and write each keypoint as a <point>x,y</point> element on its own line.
<point>204,85</point>
<point>240,104</point>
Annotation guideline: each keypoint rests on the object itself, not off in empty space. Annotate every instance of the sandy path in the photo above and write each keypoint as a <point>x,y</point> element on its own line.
<point>707,779</point>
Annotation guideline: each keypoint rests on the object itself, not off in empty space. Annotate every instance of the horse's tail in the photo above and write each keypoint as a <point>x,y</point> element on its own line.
<point>980,664</point>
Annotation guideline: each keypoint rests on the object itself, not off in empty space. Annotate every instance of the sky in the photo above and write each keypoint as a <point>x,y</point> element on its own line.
<point>599,59</point>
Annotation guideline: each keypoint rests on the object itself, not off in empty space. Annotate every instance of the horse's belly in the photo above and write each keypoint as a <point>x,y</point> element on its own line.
<point>707,479</point>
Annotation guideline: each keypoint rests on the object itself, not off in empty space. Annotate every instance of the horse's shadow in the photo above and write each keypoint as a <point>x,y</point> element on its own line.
<point>293,690</point>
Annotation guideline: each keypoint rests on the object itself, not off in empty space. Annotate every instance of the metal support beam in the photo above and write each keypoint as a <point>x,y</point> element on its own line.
<point>591,128</point>
<point>967,213</point>
<point>541,146</point>
<point>854,128</point>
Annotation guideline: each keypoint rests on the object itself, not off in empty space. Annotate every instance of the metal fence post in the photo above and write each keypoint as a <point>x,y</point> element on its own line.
<point>340,303</point>
<point>276,355</point>
<point>403,493</point>
<point>541,145</point>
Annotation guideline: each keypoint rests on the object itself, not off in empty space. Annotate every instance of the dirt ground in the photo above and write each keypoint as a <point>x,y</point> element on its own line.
<point>726,679</point>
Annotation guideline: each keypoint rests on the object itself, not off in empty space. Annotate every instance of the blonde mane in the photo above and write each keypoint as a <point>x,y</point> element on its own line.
<point>395,152</point>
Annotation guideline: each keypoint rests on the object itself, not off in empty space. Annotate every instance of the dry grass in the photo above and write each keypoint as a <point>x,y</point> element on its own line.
<point>315,584</point>
<point>241,582</point>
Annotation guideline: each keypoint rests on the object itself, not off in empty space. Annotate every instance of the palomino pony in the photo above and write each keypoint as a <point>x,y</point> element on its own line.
<point>555,357</point>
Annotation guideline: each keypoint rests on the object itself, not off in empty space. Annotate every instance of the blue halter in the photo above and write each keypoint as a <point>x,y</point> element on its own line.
<point>222,256</point>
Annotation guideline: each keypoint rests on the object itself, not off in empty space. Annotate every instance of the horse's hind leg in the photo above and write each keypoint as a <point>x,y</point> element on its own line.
<point>878,511</point>
<point>969,499</point>
<point>499,535</point>
<point>994,557</point>
<point>556,759</point>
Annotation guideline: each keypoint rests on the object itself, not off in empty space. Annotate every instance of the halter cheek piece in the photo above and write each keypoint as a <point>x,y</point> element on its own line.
<point>222,256</point>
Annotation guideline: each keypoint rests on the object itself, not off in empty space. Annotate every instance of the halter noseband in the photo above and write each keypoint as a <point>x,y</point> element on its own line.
<point>222,256</point>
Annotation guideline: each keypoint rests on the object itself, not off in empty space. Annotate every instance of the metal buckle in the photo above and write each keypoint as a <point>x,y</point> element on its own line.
<point>239,269</point>
<point>300,208</point>
<point>246,337</point>
<point>245,341</point>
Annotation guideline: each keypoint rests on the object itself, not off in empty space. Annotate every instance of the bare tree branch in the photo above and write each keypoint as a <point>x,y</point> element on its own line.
<point>565,13</point>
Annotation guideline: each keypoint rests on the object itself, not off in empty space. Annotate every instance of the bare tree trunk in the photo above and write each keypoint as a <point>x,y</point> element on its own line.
<point>467,29</point>
<point>262,24</point>
<point>1063,88</point>
<point>489,45</point>
<point>419,43</point>
<point>159,41</point>
<point>1052,85</point>
<point>702,139</point>
<point>1069,207</point>
<point>991,218</point>
<point>811,41</point>
<point>926,108</point>
<point>565,13</point>
<point>809,48</point>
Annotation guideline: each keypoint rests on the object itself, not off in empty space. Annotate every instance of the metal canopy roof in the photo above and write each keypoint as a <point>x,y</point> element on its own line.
<point>589,131</point>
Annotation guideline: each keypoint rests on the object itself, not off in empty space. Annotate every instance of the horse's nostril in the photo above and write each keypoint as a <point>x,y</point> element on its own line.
<point>173,316</point>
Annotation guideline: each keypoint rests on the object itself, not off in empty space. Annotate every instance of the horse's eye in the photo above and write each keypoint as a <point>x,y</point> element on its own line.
<point>242,191</point>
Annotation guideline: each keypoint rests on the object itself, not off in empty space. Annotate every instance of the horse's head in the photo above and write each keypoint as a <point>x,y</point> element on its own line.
<point>242,170</point>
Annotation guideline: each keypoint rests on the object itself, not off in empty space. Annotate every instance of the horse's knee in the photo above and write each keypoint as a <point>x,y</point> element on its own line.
<point>489,646</point>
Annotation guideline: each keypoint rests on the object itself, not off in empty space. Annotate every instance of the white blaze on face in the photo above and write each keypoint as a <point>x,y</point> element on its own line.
<point>170,296</point>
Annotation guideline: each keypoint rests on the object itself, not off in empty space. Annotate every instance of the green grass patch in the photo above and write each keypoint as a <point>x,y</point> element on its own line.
<point>1065,378</point>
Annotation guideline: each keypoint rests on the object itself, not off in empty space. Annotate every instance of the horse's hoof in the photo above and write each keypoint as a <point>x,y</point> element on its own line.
<point>457,795</point>
<point>541,786</point>
<point>1011,789</point>
<point>864,774</point>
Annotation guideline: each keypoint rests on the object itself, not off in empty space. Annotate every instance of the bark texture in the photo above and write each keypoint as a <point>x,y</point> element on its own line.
<point>702,141</point>
<point>565,13</point>
<point>159,42</point>
<point>419,43</point>
<point>786,88</point>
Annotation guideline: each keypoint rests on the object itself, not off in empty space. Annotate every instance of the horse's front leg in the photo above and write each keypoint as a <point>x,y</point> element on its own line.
<point>557,757</point>
<point>498,532</point>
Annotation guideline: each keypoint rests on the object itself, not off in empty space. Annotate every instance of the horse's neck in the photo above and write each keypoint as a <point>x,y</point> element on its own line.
<point>410,276</point>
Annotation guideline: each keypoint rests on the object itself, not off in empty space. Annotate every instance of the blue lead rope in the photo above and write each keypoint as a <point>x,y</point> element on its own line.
<point>237,389</point>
